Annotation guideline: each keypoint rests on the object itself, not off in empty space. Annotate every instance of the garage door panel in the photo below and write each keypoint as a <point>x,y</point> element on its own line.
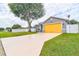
<point>53,28</point>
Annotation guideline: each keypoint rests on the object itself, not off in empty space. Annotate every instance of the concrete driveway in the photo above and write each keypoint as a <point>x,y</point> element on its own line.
<point>27,45</point>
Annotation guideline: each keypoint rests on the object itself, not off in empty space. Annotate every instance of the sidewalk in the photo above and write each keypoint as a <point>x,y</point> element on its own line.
<point>2,52</point>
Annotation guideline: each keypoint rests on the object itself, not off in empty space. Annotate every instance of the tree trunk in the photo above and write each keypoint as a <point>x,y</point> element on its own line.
<point>29,26</point>
<point>29,22</point>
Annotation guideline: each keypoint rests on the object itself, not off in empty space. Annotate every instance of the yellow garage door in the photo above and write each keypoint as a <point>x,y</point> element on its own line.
<point>55,28</point>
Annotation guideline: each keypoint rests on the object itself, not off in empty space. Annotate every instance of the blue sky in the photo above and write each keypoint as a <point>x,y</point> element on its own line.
<point>7,18</point>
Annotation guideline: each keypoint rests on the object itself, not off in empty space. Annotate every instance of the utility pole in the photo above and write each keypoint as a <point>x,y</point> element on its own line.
<point>69,21</point>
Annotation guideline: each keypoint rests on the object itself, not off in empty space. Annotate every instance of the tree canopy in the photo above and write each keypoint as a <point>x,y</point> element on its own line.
<point>1,29</point>
<point>27,11</point>
<point>9,29</point>
<point>72,21</point>
<point>16,26</point>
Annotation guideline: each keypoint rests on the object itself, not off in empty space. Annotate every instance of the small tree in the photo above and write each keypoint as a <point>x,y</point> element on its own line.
<point>9,29</point>
<point>16,26</point>
<point>27,11</point>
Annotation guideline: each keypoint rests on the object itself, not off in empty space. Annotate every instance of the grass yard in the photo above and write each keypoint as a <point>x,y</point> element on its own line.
<point>12,34</point>
<point>62,45</point>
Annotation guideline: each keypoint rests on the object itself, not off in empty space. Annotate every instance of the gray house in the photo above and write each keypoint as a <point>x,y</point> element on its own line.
<point>53,25</point>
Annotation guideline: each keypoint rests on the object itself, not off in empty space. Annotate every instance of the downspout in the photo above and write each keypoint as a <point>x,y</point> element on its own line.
<point>41,27</point>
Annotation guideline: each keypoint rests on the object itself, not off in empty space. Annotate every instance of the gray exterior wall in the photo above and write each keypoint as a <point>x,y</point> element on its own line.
<point>55,20</point>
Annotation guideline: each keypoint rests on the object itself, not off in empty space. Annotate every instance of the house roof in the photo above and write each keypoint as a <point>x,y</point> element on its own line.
<point>54,18</point>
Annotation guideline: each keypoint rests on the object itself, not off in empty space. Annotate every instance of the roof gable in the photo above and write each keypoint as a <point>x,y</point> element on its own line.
<point>50,19</point>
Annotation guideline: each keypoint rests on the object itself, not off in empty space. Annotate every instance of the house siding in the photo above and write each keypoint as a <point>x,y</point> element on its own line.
<point>54,20</point>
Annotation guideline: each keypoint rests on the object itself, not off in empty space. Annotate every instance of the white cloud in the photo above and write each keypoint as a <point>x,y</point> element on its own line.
<point>61,10</point>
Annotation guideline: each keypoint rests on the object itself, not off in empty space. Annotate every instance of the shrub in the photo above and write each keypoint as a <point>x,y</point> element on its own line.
<point>1,29</point>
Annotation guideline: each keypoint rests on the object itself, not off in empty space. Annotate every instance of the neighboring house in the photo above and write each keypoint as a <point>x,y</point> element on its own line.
<point>54,25</point>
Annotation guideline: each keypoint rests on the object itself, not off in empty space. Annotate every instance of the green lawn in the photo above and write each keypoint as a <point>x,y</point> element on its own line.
<point>12,34</point>
<point>62,45</point>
